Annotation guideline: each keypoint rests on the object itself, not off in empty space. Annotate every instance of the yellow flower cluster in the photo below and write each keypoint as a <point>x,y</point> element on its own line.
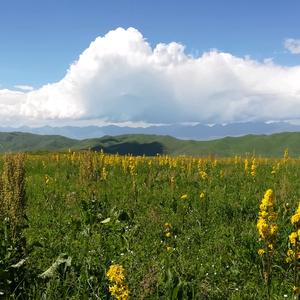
<point>203,175</point>
<point>294,237</point>
<point>295,219</point>
<point>253,167</point>
<point>246,165</point>
<point>266,225</point>
<point>117,286</point>
<point>168,230</point>
<point>104,174</point>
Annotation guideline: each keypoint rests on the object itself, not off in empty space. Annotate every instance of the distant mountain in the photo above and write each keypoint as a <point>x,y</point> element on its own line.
<point>195,132</point>
<point>266,145</point>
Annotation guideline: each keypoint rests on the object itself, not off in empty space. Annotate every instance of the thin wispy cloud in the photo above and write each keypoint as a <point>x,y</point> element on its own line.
<point>292,45</point>
<point>24,87</point>
<point>121,78</point>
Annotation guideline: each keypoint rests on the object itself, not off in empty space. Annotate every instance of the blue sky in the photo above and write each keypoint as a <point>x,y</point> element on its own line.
<point>40,39</point>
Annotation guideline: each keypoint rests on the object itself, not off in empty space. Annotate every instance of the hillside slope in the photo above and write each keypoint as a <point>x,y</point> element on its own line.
<point>266,145</point>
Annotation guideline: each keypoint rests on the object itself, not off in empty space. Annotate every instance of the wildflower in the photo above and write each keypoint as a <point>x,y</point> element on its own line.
<point>184,197</point>
<point>168,234</point>
<point>172,180</point>
<point>253,167</point>
<point>293,253</point>
<point>169,249</point>
<point>273,172</point>
<point>168,225</point>
<point>202,195</point>
<point>203,175</point>
<point>295,219</point>
<point>104,174</point>
<point>267,230</point>
<point>115,273</point>
<point>236,159</point>
<point>293,238</point>
<point>246,164</point>
<point>117,286</point>
<point>47,179</point>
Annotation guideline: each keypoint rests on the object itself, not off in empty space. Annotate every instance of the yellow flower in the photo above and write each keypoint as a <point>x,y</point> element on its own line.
<point>47,179</point>
<point>168,234</point>
<point>169,249</point>
<point>184,197</point>
<point>117,287</point>
<point>253,168</point>
<point>293,238</point>
<point>167,226</point>
<point>203,175</point>
<point>290,253</point>
<point>115,273</point>
<point>202,195</point>
<point>246,164</point>
<point>119,291</point>
<point>265,226</point>
<point>295,219</point>
<point>273,229</point>
<point>261,252</point>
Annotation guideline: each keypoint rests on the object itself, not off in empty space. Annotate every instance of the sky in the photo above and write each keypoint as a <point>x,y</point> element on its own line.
<point>75,61</point>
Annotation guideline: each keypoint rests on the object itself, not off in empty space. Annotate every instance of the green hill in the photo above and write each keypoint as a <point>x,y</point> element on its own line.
<point>266,145</point>
<point>19,141</point>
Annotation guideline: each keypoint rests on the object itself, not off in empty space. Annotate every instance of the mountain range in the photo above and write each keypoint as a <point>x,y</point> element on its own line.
<point>194,132</point>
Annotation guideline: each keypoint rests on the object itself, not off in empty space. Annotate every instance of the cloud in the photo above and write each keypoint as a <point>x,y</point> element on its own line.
<point>121,78</point>
<point>24,87</point>
<point>292,45</point>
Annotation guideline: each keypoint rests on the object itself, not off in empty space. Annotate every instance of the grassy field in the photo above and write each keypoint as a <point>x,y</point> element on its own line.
<point>94,226</point>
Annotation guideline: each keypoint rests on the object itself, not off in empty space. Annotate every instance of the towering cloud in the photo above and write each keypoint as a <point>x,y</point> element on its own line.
<point>120,77</point>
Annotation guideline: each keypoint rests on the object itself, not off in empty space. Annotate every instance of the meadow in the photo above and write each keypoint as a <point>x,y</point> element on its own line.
<point>88,225</point>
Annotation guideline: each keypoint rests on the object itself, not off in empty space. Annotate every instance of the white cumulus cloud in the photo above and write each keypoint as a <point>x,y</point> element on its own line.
<point>292,45</point>
<point>121,78</point>
<point>24,87</point>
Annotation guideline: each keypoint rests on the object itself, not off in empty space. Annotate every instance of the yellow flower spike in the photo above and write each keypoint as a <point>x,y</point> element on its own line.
<point>246,165</point>
<point>253,168</point>
<point>117,287</point>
